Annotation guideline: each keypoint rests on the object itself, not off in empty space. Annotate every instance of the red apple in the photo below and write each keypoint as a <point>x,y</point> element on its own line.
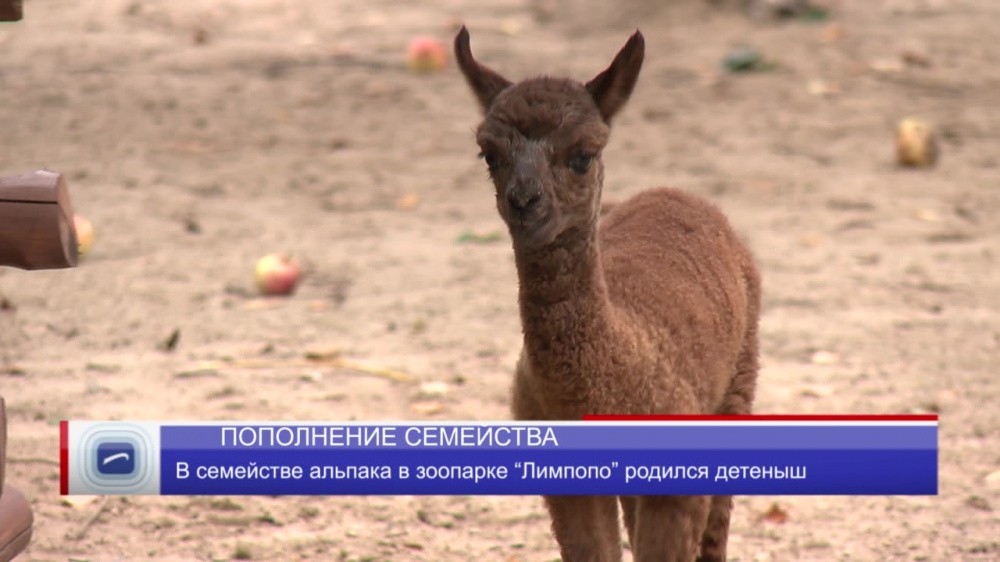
<point>276,274</point>
<point>84,234</point>
<point>426,54</point>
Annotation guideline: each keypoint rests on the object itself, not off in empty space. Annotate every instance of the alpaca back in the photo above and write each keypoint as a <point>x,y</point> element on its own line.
<point>675,268</point>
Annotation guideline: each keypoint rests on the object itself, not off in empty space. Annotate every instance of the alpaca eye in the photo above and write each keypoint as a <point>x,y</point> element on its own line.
<point>579,162</point>
<point>492,162</point>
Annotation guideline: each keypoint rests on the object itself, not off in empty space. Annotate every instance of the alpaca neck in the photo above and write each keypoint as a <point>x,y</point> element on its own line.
<point>563,298</point>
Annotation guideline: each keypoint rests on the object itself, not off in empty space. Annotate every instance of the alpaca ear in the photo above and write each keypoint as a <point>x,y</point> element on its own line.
<point>485,83</point>
<point>612,88</point>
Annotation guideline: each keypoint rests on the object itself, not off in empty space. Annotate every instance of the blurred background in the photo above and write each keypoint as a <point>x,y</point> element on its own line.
<point>853,145</point>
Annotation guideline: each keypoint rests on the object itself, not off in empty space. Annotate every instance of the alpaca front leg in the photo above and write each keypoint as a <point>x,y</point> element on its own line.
<point>586,527</point>
<point>669,528</point>
<point>713,542</point>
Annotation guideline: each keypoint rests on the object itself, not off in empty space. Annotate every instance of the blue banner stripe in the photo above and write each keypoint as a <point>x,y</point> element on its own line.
<point>826,472</point>
<point>589,435</point>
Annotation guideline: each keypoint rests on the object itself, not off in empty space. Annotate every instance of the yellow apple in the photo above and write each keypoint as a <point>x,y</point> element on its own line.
<point>916,143</point>
<point>84,234</point>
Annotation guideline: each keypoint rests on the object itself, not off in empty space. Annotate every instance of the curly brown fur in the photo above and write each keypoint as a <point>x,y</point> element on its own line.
<point>653,311</point>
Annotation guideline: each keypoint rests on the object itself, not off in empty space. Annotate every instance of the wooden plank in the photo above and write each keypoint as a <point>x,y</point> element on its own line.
<point>36,222</point>
<point>11,10</point>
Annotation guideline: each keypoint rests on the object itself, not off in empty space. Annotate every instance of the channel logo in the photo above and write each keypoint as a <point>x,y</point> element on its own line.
<point>115,458</point>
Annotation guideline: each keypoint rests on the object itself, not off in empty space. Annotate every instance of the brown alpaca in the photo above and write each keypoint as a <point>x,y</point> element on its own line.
<point>652,312</point>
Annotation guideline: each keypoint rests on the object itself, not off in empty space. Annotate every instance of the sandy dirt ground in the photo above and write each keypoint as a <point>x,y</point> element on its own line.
<point>198,136</point>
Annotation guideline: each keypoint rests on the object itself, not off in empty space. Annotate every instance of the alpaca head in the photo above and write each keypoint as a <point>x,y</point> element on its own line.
<point>542,140</point>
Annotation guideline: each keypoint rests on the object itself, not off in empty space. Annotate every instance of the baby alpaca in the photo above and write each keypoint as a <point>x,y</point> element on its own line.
<point>652,311</point>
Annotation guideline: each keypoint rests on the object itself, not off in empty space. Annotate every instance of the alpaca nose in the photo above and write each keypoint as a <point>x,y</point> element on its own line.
<point>524,200</point>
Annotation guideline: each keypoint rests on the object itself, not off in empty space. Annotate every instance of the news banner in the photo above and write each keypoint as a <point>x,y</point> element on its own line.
<point>772,455</point>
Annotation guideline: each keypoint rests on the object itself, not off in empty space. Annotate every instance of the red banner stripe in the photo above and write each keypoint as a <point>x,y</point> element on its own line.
<point>63,457</point>
<point>770,417</point>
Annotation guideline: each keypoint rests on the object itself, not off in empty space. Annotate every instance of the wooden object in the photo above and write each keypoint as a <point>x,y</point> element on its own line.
<point>36,222</point>
<point>11,10</point>
<point>16,519</point>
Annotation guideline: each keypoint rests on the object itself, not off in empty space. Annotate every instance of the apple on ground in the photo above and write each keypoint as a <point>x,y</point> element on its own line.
<point>277,274</point>
<point>426,54</point>
<point>84,234</point>
<point>916,143</point>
